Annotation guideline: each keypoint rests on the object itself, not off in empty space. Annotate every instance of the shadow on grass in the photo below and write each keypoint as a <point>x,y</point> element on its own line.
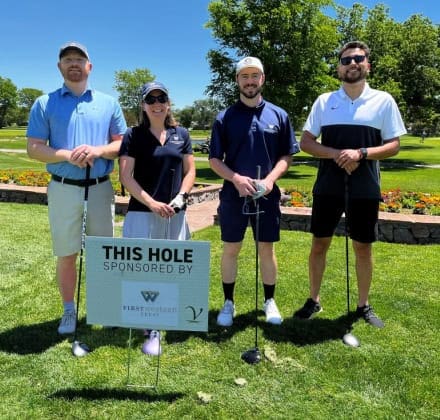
<point>307,332</point>
<point>30,339</point>
<point>91,394</point>
<point>37,338</point>
<point>298,332</point>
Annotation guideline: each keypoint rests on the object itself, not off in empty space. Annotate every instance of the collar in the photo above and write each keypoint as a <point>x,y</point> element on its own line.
<point>343,94</point>
<point>65,90</point>
<point>241,104</point>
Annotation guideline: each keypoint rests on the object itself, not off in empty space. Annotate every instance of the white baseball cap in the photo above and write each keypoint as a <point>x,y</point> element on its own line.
<point>249,62</point>
<point>74,46</point>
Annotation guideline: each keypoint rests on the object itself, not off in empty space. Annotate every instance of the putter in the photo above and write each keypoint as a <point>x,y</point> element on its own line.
<point>80,349</point>
<point>349,339</point>
<point>253,356</point>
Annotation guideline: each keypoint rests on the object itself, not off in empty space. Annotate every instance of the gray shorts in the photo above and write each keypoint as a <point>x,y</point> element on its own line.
<point>66,206</point>
<point>148,225</point>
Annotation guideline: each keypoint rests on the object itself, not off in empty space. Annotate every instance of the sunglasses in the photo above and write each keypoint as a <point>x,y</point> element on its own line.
<point>150,99</point>
<point>345,61</point>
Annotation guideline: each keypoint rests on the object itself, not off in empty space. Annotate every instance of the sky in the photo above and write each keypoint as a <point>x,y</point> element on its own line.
<point>167,37</point>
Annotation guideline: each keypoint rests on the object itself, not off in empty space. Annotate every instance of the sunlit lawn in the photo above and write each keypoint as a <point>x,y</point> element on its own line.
<point>306,372</point>
<point>407,171</point>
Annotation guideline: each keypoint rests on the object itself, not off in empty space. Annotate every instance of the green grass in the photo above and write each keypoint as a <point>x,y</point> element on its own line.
<point>311,374</point>
<point>406,171</point>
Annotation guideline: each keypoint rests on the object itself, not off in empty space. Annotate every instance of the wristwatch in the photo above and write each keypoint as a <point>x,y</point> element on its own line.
<point>364,153</point>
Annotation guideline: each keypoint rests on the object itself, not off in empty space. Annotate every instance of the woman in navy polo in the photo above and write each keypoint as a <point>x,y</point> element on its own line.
<point>157,169</point>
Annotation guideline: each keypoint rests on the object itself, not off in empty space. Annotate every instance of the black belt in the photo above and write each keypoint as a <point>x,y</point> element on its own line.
<point>80,182</point>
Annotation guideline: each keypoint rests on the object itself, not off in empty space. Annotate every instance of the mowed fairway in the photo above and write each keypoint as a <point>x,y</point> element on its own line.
<point>306,372</point>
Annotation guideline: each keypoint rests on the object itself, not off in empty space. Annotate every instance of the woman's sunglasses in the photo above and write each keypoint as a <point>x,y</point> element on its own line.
<point>150,99</point>
<point>345,61</point>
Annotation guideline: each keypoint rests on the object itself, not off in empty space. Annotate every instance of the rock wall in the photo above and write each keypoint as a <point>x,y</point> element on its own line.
<point>392,227</point>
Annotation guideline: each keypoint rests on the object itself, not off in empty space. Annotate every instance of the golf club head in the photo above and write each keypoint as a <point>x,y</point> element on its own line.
<point>252,356</point>
<point>80,349</point>
<point>350,340</point>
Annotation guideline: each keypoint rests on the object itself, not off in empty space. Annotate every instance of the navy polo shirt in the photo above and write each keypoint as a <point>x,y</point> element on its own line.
<point>343,123</point>
<point>244,137</point>
<point>67,121</point>
<point>158,169</point>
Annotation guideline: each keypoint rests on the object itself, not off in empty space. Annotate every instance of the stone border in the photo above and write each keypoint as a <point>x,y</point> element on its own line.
<point>392,227</point>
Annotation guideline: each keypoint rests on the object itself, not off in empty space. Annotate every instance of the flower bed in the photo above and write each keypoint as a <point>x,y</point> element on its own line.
<point>394,201</point>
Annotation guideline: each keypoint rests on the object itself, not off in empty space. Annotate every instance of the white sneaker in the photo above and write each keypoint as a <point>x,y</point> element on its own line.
<point>67,323</point>
<point>226,314</point>
<point>152,345</point>
<point>273,315</point>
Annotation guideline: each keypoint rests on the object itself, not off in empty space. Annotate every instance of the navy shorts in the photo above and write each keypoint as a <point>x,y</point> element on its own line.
<point>362,217</point>
<point>234,220</point>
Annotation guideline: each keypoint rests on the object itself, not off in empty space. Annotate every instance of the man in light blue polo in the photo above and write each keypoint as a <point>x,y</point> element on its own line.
<point>70,129</point>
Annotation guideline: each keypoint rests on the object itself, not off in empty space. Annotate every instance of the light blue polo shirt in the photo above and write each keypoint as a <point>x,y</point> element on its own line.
<point>67,121</point>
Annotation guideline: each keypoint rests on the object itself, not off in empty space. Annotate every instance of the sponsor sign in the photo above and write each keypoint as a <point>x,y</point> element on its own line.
<point>147,283</point>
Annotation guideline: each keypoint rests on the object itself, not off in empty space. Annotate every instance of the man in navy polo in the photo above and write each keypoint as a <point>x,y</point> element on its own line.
<point>251,133</point>
<point>70,129</point>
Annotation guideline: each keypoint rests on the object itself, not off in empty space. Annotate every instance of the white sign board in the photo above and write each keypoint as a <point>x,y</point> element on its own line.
<point>147,283</point>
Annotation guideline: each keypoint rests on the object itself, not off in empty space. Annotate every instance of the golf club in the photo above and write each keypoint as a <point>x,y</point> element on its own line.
<point>349,339</point>
<point>253,356</point>
<point>81,349</point>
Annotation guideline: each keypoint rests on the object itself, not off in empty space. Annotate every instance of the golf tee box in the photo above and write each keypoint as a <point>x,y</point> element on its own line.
<point>147,283</point>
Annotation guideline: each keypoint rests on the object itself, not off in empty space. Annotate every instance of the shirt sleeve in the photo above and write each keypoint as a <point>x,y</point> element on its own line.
<point>118,124</point>
<point>216,147</point>
<point>290,145</point>
<point>187,145</point>
<point>127,144</point>
<point>313,123</point>
<point>38,126</point>
<point>393,125</point>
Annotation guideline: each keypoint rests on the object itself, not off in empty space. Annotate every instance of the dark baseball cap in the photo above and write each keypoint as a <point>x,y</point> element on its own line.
<point>150,86</point>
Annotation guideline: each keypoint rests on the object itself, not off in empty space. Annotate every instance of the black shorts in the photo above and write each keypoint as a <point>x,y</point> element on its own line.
<point>362,217</point>
<point>234,220</point>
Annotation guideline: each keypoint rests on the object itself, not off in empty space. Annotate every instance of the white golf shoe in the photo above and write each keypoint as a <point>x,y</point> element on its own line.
<point>67,323</point>
<point>226,315</point>
<point>152,346</point>
<point>273,315</point>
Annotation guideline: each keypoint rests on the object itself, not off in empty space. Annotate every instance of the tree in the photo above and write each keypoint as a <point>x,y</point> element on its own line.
<point>26,98</point>
<point>419,68</point>
<point>291,37</point>
<point>204,113</point>
<point>8,101</point>
<point>128,84</point>
<point>200,115</point>
<point>184,116</point>
<point>396,64</point>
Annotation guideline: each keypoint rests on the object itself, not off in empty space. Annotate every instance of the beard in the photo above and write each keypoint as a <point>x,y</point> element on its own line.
<point>74,75</point>
<point>353,77</point>
<point>254,92</point>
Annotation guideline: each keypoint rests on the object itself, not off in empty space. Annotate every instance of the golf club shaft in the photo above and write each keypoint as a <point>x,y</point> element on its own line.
<point>346,231</point>
<point>83,240</point>
<point>257,239</point>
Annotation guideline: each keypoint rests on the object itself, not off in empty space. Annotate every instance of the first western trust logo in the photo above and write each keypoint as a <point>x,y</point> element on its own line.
<point>149,295</point>
<point>152,295</point>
